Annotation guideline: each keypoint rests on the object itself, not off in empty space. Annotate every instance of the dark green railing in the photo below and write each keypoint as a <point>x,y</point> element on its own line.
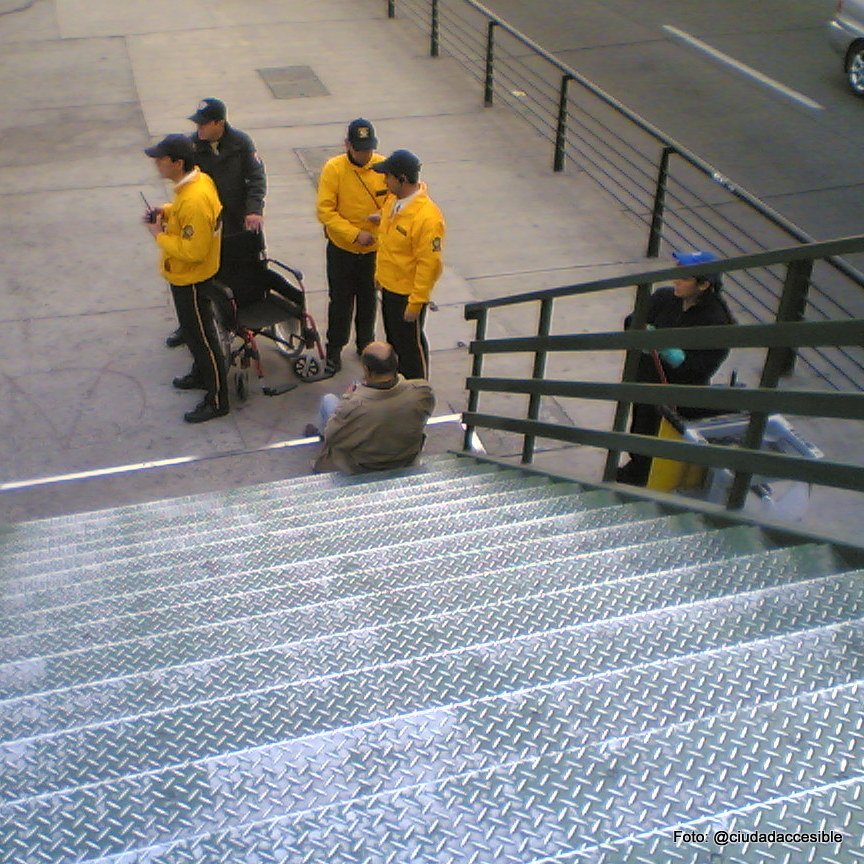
<point>659,181</point>
<point>781,339</point>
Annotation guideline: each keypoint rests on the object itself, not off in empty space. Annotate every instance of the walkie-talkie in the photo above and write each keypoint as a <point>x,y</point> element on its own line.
<point>151,213</point>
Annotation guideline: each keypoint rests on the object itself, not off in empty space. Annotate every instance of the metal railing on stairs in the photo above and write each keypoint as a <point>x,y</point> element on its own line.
<point>682,199</point>
<point>786,335</point>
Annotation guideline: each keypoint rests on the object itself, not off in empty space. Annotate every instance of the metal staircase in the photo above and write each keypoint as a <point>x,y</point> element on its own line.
<point>458,662</point>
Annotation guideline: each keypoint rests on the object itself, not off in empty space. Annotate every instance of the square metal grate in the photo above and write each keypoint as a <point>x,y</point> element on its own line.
<point>293,82</point>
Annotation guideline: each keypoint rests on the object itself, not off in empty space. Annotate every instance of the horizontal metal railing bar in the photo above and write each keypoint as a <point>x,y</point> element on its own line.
<point>666,140</point>
<point>739,262</point>
<point>804,334</point>
<point>801,403</point>
<point>837,474</point>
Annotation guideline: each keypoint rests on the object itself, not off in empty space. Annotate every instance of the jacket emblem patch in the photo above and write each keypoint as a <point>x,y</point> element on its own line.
<point>436,244</point>
<point>188,232</point>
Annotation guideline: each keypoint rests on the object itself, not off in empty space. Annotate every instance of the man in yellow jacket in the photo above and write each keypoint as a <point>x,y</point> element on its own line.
<point>410,240</point>
<point>188,234</point>
<point>350,196</point>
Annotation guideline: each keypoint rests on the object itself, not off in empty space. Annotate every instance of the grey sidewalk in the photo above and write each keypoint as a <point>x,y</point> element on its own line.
<point>86,84</point>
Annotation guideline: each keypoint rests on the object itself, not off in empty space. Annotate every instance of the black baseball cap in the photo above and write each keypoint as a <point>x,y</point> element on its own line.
<point>177,147</point>
<point>361,134</point>
<point>400,163</point>
<point>209,109</point>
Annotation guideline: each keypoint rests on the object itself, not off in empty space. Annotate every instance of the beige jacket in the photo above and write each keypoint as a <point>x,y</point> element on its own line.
<point>373,430</point>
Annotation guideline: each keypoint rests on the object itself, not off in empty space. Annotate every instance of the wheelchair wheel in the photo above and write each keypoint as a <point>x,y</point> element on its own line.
<point>284,331</point>
<point>242,385</point>
<point>309,367</point>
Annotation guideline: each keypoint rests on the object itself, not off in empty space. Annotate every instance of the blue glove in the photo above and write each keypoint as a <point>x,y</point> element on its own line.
<point>673,357</point>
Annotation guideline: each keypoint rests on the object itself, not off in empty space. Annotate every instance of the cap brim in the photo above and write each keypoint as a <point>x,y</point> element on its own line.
<point>381,167</point>
<point>197,118</point>
<point>154,152</point>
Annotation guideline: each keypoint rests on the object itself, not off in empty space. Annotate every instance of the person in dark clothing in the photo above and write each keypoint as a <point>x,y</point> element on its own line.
<point>691,302</point>
<point>230,158</point>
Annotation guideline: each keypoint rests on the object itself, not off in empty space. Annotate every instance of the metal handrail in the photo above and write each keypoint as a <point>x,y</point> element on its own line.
<point>663,138</point>
<point>811,250</point>
<point>780,338</point>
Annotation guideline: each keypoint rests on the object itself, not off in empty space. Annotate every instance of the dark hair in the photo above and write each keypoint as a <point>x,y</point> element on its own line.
<point>715,280</point>
<point>386,365</point>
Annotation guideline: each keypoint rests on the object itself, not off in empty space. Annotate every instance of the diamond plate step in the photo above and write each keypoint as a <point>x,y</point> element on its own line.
<point>595,505</point>
<point>326,522</point>
<point>289,544</point>
<point>270,586</point>
<point>256,626</point>
<point>835,807</point>
<point>252,512</point>
<point>568,800</point>
<point>191,732</point>
<point>437,468</point>
<point>471,736</point>
<point>68,703</point>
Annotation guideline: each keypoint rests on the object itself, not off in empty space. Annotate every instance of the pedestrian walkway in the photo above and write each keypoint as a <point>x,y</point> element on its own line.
<point>85,86</point>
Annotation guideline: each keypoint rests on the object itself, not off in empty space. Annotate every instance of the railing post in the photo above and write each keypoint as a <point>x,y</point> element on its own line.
<point>433,46</point>
<point>391,8</point>
<point>776,361</point>
<point>489,89</point>
<point>537,374</point>
<point>476,372</point>
<point>631,367</point>
<point>655,234</point>
<point>561,131</point>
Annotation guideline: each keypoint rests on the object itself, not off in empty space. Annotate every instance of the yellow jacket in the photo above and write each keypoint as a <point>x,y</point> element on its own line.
<point>409,248</point>
<point>192,231</point>
<point>347,194</point>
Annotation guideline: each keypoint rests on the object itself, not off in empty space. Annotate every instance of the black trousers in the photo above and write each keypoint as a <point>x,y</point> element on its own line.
<point>407,337</point>
<point>197,314</point>
<point>351,282</point>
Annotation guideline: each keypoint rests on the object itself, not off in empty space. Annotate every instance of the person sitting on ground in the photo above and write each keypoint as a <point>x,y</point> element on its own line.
<point>377,423</point>
<point>691,302</point>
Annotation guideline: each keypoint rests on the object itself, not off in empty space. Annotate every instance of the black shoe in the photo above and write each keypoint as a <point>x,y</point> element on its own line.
<point>633,473</point>
<point>311,431</point>
<point>175,339</point>
<point>332,366</point>
<point>205,411</point>
<point>189,382</point>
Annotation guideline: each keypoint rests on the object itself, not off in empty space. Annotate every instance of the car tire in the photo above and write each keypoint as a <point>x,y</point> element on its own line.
<point>855,69</point>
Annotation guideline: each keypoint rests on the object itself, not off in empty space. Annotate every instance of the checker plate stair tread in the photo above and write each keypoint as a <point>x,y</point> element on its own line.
<point>497,668</point>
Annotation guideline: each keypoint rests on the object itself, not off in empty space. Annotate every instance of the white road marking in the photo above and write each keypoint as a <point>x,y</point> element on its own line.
<point>180,460</point>
<point>743,68</point>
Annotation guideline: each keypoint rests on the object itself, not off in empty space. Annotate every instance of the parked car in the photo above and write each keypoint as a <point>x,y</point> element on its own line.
<point>846,32</point>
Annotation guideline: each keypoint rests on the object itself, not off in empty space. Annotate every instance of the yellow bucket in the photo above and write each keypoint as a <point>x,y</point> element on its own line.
<point>667,475</point>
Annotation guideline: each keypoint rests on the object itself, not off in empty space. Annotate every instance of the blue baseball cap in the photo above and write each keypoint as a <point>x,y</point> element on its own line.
<point>685,259</point>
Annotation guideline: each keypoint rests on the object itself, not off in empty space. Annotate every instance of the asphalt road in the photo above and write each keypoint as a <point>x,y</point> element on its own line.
<point>802,158</point>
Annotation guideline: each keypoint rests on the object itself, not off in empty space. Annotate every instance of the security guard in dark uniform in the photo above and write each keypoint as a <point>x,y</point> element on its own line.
<point>230,158</point>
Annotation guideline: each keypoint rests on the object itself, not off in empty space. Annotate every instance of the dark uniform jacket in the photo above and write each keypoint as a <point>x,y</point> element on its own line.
<point>239,176</point>
<point>700,364</point>
<point>667,310</point>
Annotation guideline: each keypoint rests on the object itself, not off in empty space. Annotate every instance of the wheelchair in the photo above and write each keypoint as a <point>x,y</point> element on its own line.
<point>266,298</point>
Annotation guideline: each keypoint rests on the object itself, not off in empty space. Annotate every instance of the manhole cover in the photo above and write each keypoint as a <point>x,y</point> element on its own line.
<point>293,82</point>
<point>313,159</point>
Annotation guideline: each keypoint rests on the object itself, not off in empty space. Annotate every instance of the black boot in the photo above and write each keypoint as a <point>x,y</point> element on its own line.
<point>176,338</point>
<point>205,410</point>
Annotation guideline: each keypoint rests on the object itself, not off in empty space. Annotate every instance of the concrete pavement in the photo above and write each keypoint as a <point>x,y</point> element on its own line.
<point>85,85</point>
